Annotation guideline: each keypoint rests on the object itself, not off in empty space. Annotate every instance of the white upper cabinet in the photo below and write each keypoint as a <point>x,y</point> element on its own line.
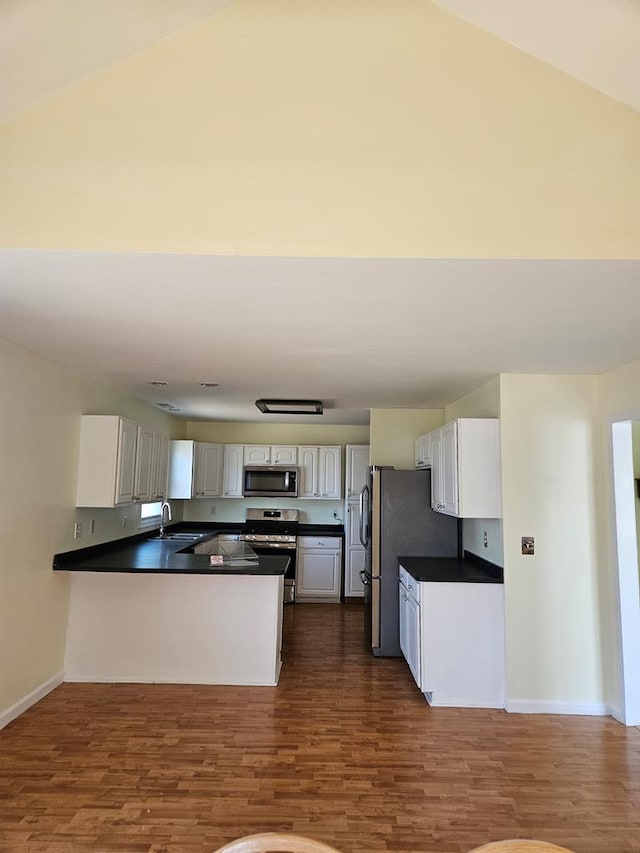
<point>308,463</point>
<point>423,457</point>
<point>274,454</point>
<point>160,465</point>
<point>232,470</point>
<point>115,464</point>
<point>465,474</point>
<point>329,472</point>
<point>357,469</point>
<point>144,485</point>
<point>208,470</point>
<point>320,472</point>
<point>195,469</point>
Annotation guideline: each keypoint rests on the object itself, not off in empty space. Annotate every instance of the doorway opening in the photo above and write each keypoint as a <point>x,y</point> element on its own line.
<point>626,466</point>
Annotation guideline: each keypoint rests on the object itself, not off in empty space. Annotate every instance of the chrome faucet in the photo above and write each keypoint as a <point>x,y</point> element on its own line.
<point>164,505</point>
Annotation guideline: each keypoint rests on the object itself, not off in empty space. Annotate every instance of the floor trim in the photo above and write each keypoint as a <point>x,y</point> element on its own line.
<point>544,706</point>
<point>35,696</point>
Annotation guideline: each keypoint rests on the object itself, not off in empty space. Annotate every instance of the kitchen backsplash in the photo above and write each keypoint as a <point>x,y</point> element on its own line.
<point>227,509</point>
<point>473,538</point>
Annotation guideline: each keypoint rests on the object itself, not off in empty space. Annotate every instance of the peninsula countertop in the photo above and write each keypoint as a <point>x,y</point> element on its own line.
<point>144,554</point>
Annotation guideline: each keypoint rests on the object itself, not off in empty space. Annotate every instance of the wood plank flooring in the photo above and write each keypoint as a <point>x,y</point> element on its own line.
<point>344,750</point>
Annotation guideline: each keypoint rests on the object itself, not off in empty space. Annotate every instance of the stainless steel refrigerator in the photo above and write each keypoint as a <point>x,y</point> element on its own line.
<point>396,520</point>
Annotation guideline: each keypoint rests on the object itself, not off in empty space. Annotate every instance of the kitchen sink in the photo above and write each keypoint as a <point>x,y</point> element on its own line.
<point>180,537</point>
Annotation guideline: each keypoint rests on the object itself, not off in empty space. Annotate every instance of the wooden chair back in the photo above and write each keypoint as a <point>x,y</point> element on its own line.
<point>276,842</point>
<point>520,845</point>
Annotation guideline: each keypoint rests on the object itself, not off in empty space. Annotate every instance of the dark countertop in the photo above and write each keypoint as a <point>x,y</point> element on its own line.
<point>142,554</point>
<point>471,569</point>
<point>320,530</point>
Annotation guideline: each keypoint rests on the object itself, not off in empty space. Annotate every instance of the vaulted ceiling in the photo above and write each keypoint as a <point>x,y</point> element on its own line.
<point>350,200</point>
<point>49,44</point>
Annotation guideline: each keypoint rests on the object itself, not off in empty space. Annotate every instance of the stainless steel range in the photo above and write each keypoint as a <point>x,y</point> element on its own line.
<point>271,531</point>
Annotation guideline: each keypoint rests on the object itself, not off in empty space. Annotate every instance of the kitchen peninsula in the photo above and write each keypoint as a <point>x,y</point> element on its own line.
<point>143,610</point>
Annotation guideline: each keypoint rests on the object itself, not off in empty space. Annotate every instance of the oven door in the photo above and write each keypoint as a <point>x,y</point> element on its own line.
<point>270,549</point>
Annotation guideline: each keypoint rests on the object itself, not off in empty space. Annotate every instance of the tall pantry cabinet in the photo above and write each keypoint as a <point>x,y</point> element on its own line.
<point>357,469</point>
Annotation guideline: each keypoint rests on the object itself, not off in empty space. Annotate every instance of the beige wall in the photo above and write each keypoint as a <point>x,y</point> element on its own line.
<point>393,433</point>
<point>39,440</point>
<point>340,128</point>
<point>552,485</point>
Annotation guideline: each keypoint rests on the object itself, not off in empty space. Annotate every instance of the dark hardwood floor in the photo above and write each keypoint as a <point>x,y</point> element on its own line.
<point>344,750</point>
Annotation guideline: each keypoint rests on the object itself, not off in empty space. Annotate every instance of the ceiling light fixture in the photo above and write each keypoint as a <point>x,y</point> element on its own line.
<point>290,407</point>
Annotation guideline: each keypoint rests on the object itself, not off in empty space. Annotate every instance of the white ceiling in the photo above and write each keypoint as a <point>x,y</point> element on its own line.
<point>357,334</point>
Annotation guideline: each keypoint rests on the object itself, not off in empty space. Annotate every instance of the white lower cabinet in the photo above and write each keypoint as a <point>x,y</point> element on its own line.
<point>410,626</point>
<point>452,637</point>
<point>354,553</point>
<point>318,568</point>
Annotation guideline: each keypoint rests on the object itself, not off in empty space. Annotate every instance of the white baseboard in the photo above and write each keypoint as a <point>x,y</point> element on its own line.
<point>544,706</point>
<point>144,679</point>
<point>35,696</point>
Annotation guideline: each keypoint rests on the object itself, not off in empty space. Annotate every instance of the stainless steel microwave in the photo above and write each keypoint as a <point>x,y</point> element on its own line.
<point>270,481</point>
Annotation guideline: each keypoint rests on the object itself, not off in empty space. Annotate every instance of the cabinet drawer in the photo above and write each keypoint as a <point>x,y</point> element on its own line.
<point>411,584</point>
<point>331,543</point>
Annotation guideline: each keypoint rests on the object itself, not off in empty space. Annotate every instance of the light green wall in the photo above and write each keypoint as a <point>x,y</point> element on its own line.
<point>393,433</point>
<point>39,442</point>
<point>227,432</point>
<point>552,485</point>
<point>233,509</point>
<point>483,402</point>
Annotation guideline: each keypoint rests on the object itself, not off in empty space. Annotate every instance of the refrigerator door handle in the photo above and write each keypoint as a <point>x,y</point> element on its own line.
<point>363,531</point>
<point>367,577</point>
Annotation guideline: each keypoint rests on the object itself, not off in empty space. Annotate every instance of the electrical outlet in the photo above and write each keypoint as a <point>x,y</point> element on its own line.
<point>212,509</point>
<point>124,521</point>
<point>485,539</point>
<point>77,530</point>
<point>92,526</point>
